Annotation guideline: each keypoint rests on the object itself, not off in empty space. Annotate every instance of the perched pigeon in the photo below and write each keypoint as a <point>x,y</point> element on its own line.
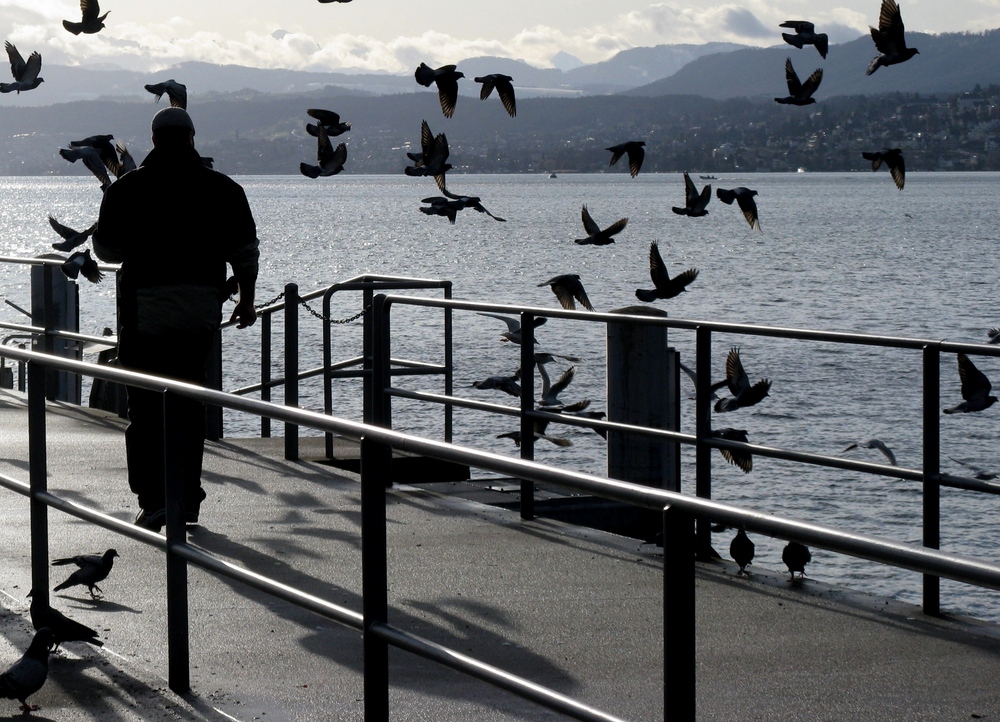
<point>27,675</point>
<point>741,549</point>
<point>331,161</point>
<point>743,394</point>
<point>889,40</point>
<point>975,388</point>
<point>92,159</point>
<point>796,556</point>
<point>25,73</point>
<point>71,238</point>
<point>505,90</point>
<point>176,92</point>
<point>441,206</point>
<point>507,384</point>
<point>800,93</point>
<point>94,568</point>
<point>63,628</point>
<point>473,202</point>
<point>513,332</point>
<point>433,157</point>
<point>596,236</point>
<point>92,21</point>
<point>740,459</point>
<point>632,148</point>
<point>446,78</point>
<point>566,288</point>
<point>744,197</point>
<point>893,158</point>
<point>874,444</point>
<point>694,202</point>
<point>805,34</point>
<point>329,120</point>
<point>82,262</point>
<point>664,286</point>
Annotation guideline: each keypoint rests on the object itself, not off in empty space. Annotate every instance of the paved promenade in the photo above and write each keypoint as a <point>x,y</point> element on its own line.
<point>573,609</point>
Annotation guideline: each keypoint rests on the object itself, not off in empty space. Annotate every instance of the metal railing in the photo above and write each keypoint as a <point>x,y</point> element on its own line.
<point>679,512</point>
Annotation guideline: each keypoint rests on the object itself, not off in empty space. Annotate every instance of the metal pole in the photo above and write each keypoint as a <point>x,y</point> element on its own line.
<point>379,405</point>
<point>449,368</point>
<point>265,370</point>
<point>178,650</point>
<point>37,473</point>
<point>932,467</point>
<point>375,464</point>
<point>527,404</point>
<point>703,429</point>
<point>679,653</point>
<point>291,367</point>
<point>327,376</point>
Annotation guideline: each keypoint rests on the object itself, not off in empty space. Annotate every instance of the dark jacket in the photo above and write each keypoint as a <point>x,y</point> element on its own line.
<point>174,224</point>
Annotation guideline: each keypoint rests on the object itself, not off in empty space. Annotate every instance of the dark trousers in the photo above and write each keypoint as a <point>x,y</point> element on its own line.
<point>178,356</point>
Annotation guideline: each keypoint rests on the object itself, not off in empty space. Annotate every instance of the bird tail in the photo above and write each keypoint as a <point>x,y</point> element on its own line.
<point>679,211</point>
<point>312,171</point>
<point>64,585</point>
<point>75,28</point>
<point>62,562</point>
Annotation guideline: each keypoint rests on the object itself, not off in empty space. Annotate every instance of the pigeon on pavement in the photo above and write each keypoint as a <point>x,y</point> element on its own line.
<point>27,675</point>
<point>63,628</point>
<point>93,568</point>
<point>741,549</point>
<point>796,556</point>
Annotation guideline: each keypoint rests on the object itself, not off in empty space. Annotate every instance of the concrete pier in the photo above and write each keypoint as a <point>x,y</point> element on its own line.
<point>571,608</point>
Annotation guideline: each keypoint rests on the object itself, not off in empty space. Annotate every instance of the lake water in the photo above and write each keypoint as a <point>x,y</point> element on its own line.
<point>845,252</point>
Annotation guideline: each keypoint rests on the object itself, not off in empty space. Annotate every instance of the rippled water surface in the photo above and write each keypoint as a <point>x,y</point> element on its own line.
<point>845,252</point>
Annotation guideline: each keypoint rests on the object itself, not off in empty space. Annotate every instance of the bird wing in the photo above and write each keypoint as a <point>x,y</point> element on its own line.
<point>794,86</point>
<point>897,169</point>
<point>799,26</point>
<point>513,324</point>
<point>617,151</point>
<point>589,225</point>
<point>489,82</point>
<point>736,377</point>
<point>563,381</point>
<point>64,231</point>
<point>565,295</point>
<point>690,192</point>
<point>178,95</point>
<point>424,75</point>
<point>326,117</point>
<point>755,393</point>
<point>426,140</point>
<point>16,61</point>
<point>616,227</point>
<point>975,385</point>
<point>635,156</point>
<point>657,269</point>
<point>812,83</point>
<point>702,201</point>
<point>90,9</point>
<point>506,92</point>
<point>749,208</point>
<point>324,148</point>
<point>447,93</point>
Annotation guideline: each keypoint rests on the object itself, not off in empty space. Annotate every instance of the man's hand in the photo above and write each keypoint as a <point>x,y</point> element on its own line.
<point>244,314</point>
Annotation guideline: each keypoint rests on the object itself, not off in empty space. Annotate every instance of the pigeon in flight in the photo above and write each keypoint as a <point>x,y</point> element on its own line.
<point>566,288</point>
<point>507,384</point>
<point>92,159</point>
<point>805,34</point>
<point>331,160</point>
<point>92,21</point>
<point>694,202</point>
<point>691,374</point>
<point>446,78</point>
<point>633,149</point>
<point>123,161</point>
<point>25,72</point>
<point>473,202</point>
<point>329,120</point>
<point>975,388</point>
<point>441,206</point>
<point>538,427</point>
<point>796,556</point>
<point>27,675</point>
<point>93,568</point>
<point>82,262</point>
<point>893,158</point>
<point>994,335</point>
<point>432,158</point>
<point>62,627</point>
<point>800,93</point>
<point>596,236</point>
<point>504,89</point>
<point>176,92</point>
<point>743,197</point>
<point>875,444</point>
<point>71,238</point>
<point>741,549</point>
<point>513,332</point>
<point>889,40</point>
<point>551,391</point>
<point>740,459</point>
<point>743,394</point>
<point>664,286</point>
<point>977,471</point>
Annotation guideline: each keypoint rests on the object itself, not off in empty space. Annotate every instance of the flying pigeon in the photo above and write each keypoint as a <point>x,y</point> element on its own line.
<point>504,89</point>
<point>796,556</point>
<point>744,197</point>
<point>740,459</point>
<point>92,159</point>
<point>329,120</point>
<point>741,549</point>
<point>123,161</point>
<point>513,332</point>
<point>975,388</point>
<point>743,394</point>
<point>433,156</point>
<point>71,238</point>
<point>473,202</point>
<point>551,391</point>
<point>875,444</point>
<point>62,627</point>
<point>633,148</point>
<point>94,568</point>
<point>664,286</point>
<point>889,40</point>
<point>92,21</point>
<point>82,262</point>
<point>441,206</point>
<point>694,202</point>
<point>800,93</point>
<point>25,73</point>
<point>893,158</point>
<point>331,160</point>
<point>994,335</point>
<point>446,79</point>
<point>566,288</point>
<point>507,384</point>
<point>538,427</point>
<point>596,236</point>
<point>805,34</point>
<point>27,675</point>
<point>977,471</point>
<point>694,380</point>
<point>176,92</point>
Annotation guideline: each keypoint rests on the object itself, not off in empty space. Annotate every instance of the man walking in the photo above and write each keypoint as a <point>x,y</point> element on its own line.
<point>173,224</point>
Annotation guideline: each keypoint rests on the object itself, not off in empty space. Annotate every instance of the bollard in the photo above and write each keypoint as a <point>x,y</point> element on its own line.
<point>55,306</point>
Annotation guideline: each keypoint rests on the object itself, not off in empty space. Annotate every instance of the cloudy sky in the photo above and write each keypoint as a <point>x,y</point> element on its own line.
<point>395,35</point>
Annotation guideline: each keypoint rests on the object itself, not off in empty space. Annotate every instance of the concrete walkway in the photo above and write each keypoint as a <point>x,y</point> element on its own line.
<point>573,609</point>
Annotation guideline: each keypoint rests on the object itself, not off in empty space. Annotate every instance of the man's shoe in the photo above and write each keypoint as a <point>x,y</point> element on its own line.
<point>151,520</point>
<point>190,518</point>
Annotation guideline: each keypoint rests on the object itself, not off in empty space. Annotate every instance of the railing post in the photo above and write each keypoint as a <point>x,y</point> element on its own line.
<point>368,360</point>
<point>679,645</point>
<point>703,429</point>
<point>37,473</point>
<point>178,650</point>
<point>931,469</point>
<point>291,367</point>
<point>378,403</point>
<point>265,370</point>
<point>376,460</point>
<point>449,367</point>
<point>327,377</point>
<point>527,428</point>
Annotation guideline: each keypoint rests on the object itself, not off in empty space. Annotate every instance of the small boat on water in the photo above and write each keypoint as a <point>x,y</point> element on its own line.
<point>553,175</point>
<point>708,177</point>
